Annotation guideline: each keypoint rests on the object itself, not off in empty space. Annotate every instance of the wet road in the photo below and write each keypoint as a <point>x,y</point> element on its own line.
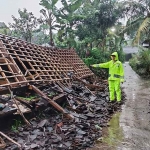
<point>135,115</point>
<point>130,128</point>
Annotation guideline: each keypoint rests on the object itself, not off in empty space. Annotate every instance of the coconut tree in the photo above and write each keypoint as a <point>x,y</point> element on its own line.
<point>138,14</point>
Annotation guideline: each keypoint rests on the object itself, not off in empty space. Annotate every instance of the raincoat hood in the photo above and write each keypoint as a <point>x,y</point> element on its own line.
<point>116,55</point>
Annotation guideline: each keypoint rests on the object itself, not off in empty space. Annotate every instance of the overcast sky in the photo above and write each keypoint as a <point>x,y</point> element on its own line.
<point>10,7</point>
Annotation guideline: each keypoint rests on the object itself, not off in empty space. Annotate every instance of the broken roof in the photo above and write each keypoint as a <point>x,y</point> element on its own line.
<point>22,63</point>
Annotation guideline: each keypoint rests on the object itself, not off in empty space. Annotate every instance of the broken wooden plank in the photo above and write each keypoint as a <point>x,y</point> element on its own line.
<point>58,107</point>
<point>58,97</point>
<point>24,102</point>
<point>11,140</point>
<point>90,85</point>
<point>20,112</point>
<point>2,143</point>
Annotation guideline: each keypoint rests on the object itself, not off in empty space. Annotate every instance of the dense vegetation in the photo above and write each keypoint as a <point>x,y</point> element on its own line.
<point>92,27</point>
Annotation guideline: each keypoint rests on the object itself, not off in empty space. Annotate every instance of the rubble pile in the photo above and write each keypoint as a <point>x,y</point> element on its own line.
<point>73,109</point>
<point>91,111</point>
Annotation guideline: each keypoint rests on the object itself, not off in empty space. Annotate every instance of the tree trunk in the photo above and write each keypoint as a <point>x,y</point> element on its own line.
<point>51,37</point>
<point>50,29</point>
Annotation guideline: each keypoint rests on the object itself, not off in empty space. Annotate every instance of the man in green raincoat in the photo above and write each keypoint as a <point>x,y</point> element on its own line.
<point>116,76</point>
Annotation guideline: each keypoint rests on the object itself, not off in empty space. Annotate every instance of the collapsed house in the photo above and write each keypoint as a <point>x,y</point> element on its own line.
<point>23,64</point>
<point>26,65</point>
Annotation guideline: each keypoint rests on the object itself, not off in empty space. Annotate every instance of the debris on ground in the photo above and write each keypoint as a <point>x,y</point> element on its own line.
<point>91,111</point>
<point>2,143</point>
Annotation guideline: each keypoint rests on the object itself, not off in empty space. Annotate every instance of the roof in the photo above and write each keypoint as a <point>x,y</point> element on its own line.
<point>23,63</point>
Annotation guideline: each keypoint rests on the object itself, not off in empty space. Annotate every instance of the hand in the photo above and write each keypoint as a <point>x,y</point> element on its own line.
<point>122,80</point>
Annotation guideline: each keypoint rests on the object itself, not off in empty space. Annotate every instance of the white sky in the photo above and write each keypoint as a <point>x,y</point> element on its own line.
<point>10,7</point>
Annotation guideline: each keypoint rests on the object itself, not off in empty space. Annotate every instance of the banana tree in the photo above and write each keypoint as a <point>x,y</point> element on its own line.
<point>67,18</point>
<point>49,16</point>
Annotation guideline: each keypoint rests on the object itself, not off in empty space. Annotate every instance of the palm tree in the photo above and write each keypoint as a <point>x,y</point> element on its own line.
<point>138,14</point>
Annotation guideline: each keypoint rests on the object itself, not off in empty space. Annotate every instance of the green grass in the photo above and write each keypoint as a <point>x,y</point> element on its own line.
<point>27,98</point>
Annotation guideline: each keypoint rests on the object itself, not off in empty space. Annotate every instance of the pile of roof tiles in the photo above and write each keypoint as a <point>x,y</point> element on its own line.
<point>60,72</point>
<point>53,131</point>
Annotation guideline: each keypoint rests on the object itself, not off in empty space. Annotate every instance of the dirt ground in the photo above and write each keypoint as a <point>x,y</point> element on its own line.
<point>130,128</point>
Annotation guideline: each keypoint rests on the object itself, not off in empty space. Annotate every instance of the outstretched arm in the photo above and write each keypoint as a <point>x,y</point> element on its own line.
<point>101,65</point>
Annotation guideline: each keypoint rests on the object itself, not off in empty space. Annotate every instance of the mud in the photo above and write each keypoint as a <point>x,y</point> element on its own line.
<point>130,128</point>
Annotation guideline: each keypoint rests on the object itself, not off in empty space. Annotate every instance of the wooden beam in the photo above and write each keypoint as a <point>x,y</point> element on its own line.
<point>53,103</point>
<point>58,97</point>
<point>11,140</point>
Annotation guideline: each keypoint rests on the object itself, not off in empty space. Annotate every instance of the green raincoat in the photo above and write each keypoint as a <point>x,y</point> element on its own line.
<point>116,75</point>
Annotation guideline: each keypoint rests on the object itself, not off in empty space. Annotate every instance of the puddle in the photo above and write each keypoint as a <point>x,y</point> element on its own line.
<point>112,136</point>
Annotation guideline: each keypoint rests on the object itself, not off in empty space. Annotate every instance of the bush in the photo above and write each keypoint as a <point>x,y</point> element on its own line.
<point>140,62</point>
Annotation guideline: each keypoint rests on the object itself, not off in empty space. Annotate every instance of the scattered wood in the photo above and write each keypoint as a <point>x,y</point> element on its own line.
<point>78,99</point>
<point>27,122</point>
<point>59,88</point>
<point>73,109</point>
<point>2,143</point>
<point>51,102</point>
<point>90,85</point>
<point>33,76</point>
<point>11,140</point>
<point>24,102</point>
<point>58,97</point>
<point>90,91</point>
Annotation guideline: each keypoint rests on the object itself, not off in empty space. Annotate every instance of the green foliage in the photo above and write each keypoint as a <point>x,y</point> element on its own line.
<point>140,62</point>
<point>51,94</point>
<point>64,20</point>
<point>97,56</point>
<point>40,36</point>
<point>48,4</point>
<point>138,24</point>
<point>24,25</point>
<point>17,123</point>
<point>49,12</point>
<point>28,98</point>
<point>98,19</point>
<point>4,29</point>
<point>134,61</point>
<point>67,18</point>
